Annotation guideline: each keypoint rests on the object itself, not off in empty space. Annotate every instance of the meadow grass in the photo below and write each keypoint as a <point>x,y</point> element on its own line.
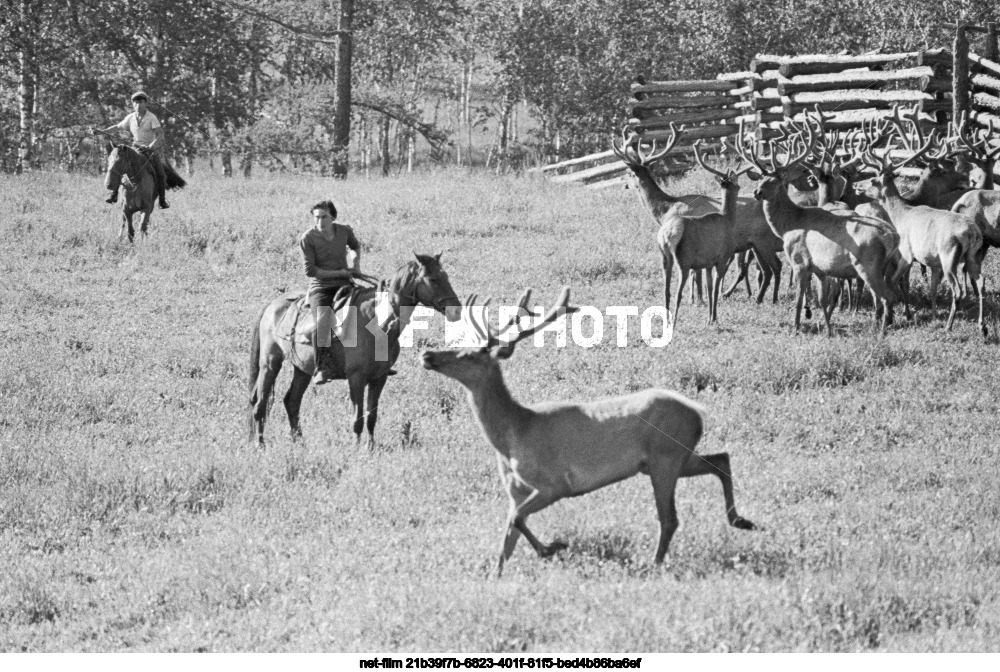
<point>135,516</point>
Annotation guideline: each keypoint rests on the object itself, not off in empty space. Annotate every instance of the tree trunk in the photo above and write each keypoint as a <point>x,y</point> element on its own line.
<point>383,138</point>
<point>26,88</point>
<point>342,90</point>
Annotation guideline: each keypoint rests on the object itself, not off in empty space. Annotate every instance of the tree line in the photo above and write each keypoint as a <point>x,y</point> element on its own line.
<point>323,84</point>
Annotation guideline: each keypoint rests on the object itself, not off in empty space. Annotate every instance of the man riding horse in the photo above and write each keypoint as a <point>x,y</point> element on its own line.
<point>147,135</point>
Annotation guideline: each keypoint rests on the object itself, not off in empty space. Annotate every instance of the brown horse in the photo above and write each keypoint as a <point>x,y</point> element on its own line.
<point>280,332</point>
<point>128,168</point>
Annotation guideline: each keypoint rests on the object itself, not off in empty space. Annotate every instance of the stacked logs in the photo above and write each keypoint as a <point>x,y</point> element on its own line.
<point>984,90</point>
<point>709,109</point>
<point>852,89</point>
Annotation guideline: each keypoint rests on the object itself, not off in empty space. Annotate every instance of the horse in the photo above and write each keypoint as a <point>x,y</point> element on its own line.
<point>367,363</point>
<point>127,167</point>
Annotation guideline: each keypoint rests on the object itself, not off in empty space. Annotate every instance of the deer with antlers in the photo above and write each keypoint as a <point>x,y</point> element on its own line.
<point>981,204</point>
<point>662,205</point>
<point>553,450</point>
<point>939,239</point>
<point>696,242</point>
<point>825,243</point>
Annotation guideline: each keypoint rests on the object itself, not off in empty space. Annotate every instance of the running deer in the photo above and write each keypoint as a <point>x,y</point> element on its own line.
<point>552,450</point>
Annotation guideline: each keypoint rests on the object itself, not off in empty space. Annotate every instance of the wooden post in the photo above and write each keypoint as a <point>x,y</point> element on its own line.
<point>960,73</point>
<point>991,49</point>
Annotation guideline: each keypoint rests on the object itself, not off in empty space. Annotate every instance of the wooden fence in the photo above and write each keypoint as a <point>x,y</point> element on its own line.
<point>850,89</point>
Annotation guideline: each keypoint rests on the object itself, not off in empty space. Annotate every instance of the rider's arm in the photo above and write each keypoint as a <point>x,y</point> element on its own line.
<point>352,242</point>
<point>158,140</point>
<point>120,126</point>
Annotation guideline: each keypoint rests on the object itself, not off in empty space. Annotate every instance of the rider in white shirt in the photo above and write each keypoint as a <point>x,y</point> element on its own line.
<point>147,135</point>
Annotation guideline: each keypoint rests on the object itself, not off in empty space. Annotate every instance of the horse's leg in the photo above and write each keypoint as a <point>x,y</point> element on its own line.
<point>357,383</point>
<point>293,399</point>
<point>127,222</point>
<point>374,392</point>
<point>144,221</point>
<point>261,397</point>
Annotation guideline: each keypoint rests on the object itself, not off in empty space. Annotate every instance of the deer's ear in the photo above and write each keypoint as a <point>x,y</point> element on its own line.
<point>437,257</point>
<point>754,175</point>
<point>108,147</point>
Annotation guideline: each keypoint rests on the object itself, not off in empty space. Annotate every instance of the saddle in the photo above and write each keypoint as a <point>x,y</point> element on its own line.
<point>298,325</point>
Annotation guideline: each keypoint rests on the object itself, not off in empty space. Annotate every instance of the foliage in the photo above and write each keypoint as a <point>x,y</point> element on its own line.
<point>219,68</point>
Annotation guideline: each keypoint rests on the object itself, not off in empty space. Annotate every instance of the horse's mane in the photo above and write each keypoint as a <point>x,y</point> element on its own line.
<point>134,161</point>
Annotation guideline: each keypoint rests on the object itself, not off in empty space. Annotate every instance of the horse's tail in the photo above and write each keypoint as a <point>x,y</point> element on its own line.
<point>174,181</point>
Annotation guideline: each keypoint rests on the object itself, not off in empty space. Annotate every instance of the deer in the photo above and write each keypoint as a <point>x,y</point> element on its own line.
<point>939,239</point>
<point>981,204</point>
<point>829,244</point>
<point>553,450</point>
<point>659,204</point>
<point>695,242</point>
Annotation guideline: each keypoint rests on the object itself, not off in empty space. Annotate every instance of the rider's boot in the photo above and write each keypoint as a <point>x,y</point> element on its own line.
<point>325,371</point>
<point>113,198</point>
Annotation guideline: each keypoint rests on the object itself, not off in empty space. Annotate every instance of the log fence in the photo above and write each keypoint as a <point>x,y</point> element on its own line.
<point>942,83</point>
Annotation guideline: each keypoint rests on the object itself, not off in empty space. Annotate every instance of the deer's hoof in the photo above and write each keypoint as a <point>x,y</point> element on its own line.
<point>743,524</point>
<point>553,548</point>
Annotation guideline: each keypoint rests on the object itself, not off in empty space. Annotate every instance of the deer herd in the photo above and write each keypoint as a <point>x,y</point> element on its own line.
<point>834,233</point>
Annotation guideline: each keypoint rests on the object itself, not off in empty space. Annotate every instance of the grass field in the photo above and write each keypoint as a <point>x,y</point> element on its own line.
<point>135,516</point>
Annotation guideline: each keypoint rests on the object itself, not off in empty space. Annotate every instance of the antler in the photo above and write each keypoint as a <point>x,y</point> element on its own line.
<point>728,175</point>
<point>560,308</point>
<point>630,148</point>
<point>746,148</point>
<point>978,144</point>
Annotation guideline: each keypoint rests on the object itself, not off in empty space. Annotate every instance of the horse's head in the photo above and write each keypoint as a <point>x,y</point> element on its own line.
<point>431,287</point>
<point>118,163</point>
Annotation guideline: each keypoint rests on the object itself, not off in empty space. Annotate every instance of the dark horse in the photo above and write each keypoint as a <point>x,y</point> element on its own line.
<point>127,167</point>
<point>279,335</point>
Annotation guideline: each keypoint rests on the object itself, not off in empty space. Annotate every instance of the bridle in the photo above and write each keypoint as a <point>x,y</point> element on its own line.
<point>124,178</point>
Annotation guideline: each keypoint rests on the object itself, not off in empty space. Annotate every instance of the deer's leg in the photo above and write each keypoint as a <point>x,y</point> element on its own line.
<point>357,383</point>
<point>936,276</point>
<point>696,284</point>
<point>830,292</point>
<point>524,500</point>
<point>374,392</point>
<point>710,285</point>
<point>742,264</point>
<point>718,465</point>
<point>293,399</point>
<point>668,269</point>
<point>663,472</point>
<point>777,280</point>
<point>803,277</point>
<point>680,294</point>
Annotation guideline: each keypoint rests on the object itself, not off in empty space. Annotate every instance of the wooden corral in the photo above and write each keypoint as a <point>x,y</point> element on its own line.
<point>943,83</point>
